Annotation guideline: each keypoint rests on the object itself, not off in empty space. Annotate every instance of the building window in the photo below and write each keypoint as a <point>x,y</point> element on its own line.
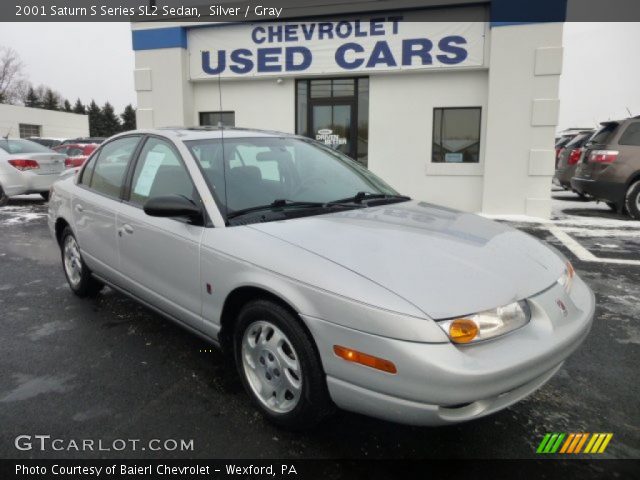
<point>456,135</point>
<point>27,130</point>
<point>214,119</point>
<point>335,111</point>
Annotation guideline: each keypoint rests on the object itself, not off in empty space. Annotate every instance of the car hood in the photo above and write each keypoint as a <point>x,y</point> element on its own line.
<point>444,262</point>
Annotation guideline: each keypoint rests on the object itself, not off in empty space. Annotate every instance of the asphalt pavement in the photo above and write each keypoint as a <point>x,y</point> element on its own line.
<point>108,368</point>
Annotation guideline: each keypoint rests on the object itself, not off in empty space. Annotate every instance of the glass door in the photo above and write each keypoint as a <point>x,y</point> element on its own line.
<point>332,123</point>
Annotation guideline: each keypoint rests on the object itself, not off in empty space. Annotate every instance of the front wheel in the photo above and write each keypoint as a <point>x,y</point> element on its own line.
<point>632,201</point>
<point>279,366</point>
<point>4,199</point>
<point>77,273</point>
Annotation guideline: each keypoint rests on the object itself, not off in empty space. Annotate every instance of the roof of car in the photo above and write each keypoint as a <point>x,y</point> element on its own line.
<point>199,133</point>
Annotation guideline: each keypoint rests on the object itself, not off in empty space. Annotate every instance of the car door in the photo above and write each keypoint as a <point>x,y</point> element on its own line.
<point>160,257</point>
<point>94,204</point>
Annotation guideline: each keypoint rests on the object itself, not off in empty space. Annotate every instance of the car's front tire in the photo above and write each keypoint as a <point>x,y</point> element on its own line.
<point>632,201</point>
<point>279,366</point>
<point>78,274</point>
<point>4,199</point>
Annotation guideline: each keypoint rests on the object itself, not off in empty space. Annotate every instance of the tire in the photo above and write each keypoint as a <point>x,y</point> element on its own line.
<point>632,201</point>
<point>45,196</point>
<point>4,199</point>
<point>78,274</point>
<point>274,354</point>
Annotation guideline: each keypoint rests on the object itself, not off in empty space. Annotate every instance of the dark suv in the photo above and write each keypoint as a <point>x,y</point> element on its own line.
<point>609,168</point>
<point>569,157</point>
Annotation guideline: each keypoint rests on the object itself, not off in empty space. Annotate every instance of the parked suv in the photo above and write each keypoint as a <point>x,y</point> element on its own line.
<point>609,169</point>
<point>569,157</point>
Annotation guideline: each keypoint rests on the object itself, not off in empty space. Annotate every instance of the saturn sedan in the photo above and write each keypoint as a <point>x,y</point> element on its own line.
<point>327,286</point>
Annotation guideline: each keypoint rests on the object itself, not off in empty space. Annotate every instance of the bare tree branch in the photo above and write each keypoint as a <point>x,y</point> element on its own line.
<point>11,76</point>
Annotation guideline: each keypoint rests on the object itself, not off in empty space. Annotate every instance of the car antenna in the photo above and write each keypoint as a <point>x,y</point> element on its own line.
<point>224,161</point>
<point>629,111</point>
<point>6,137</point>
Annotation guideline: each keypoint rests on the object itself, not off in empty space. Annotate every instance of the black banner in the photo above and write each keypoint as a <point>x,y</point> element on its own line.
<point>319,469</point>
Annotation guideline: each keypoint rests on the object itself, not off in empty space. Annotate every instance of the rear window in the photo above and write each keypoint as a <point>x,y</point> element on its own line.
<point>22,146</point>
<point>563,141</point>
<point>604,134</point>
<point>579,140</point>
<point>631,135</point>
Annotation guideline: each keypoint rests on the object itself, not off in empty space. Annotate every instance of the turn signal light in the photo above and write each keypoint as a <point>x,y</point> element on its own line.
<point>463,330</point>
<point>364,359</point>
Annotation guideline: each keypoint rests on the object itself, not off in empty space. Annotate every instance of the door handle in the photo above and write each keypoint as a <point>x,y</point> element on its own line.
<point>79,208</point>
<point>127,228</point>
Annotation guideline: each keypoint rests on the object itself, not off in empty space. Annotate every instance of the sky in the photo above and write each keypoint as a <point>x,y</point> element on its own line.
<point>95,61</point>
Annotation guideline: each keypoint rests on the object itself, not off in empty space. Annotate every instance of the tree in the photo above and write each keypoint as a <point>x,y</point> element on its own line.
<point>128,118</point>
<point>95,120</point>
<point>31,99</point>
<point>66,106</point>
<point>51,100</point>
<point>78,107</point>
<point>110,122</point>
<point>11,76</point>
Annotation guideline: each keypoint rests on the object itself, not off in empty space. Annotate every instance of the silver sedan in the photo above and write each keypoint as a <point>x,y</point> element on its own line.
<point>327,286</point>
<point>27,167</point>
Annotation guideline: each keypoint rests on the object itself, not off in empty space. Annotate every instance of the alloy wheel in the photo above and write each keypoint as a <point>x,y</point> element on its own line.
<point>72,261</point>
<point>271,366</point>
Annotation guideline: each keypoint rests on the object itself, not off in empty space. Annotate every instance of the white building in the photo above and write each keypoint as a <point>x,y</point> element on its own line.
<point>24,122</point>
<point>460,113</point>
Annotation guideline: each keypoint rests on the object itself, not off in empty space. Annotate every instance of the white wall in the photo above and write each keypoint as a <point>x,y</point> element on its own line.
<point>53,123</point>
<point>400,134</point>
<point>258,103</point>
<point>165,94</point>
<point>524,73</point>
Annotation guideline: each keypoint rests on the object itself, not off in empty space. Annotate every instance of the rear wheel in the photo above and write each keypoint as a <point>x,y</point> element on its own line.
<point>4,199</point>
<point>77,273</point>
<point>279,367</point>
<point>632,201</point>
<point>45,196</point>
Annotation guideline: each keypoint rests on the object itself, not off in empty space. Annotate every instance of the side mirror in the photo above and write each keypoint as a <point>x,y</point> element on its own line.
<point>172,206</point>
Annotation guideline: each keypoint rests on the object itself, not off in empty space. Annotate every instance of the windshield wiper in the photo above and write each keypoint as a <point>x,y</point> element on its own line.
<point>276,204</point>
<point>361,196</point>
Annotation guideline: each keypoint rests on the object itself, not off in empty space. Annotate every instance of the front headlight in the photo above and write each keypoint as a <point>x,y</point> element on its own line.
<point>566,279</point>
<point>487,324</point>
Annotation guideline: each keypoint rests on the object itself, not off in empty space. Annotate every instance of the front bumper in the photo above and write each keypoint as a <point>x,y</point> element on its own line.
<point>442,383</point>
<point>20,183</point>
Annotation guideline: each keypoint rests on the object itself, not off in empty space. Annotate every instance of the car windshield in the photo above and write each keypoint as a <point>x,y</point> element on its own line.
<point>22,146</point>
<point>261,171</point>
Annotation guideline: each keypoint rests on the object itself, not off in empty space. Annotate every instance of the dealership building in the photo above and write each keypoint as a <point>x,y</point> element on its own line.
<point>450,104</point>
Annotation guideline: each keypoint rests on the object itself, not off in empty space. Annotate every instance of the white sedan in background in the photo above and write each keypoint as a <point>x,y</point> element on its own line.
<point>328,286</point>
<point>27,167</point>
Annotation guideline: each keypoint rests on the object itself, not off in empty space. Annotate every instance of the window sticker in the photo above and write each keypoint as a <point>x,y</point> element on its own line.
<point>148,173</point>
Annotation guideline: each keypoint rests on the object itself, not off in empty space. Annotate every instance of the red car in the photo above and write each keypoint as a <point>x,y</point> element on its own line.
<point>76,153</point>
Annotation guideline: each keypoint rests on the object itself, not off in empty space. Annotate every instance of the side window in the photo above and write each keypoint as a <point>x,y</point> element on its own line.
<point>111,165</point>
<point>631,135</point>
<point>88,171</point>
<point>456,135</point>
<point>160,171</point>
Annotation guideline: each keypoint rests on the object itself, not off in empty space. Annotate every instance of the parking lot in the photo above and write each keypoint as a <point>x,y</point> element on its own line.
<point>111,369</point>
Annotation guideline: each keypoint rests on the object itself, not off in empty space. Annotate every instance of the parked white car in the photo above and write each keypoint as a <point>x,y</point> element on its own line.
<point>27,167</point>
<point>328,286</point>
